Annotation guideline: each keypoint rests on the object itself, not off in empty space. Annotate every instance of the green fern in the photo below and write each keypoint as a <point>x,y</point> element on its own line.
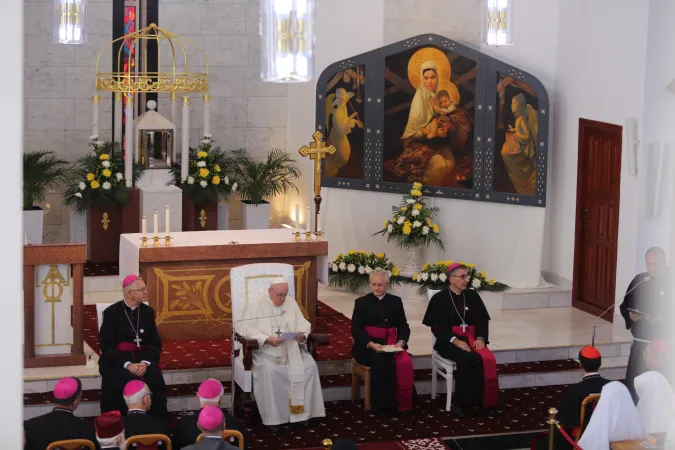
<point>262,180</point>
<point>42,170</point>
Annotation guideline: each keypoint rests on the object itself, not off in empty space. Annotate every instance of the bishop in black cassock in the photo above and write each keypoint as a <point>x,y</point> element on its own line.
<point>646,303</point>
<point>460,323</point>
<point>391,387</point>
<point>130,350</point>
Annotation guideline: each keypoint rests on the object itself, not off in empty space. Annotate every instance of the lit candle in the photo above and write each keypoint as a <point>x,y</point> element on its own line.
<point>309,219</point>
<point>168,219</point>
<point>144,226</point>
<point>297,217</point>
<point>155,226</point>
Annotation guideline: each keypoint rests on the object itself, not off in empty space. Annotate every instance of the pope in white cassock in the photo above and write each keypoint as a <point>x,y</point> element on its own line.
<point>285,376</point>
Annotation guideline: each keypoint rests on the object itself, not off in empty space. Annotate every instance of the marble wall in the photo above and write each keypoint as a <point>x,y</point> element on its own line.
<point>59,82</point>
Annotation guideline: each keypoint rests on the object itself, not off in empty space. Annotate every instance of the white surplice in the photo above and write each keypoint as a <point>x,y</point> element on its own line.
<point>657,401</point>
<point>286,382</point>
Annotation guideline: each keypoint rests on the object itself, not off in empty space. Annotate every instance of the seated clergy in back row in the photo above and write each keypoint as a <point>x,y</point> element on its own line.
<point>286,382</point>
<point>379,320</point>
<point>460,323</point>
<point>130,349</point>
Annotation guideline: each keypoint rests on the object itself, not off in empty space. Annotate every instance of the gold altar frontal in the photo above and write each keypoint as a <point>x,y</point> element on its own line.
<point>189,287</point>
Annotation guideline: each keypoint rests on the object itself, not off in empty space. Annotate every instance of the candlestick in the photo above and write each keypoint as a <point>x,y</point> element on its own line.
<point>308,236</point>
<point>319,234</point>
<point>155,241</point>
<point>144,241</point>
<point>96,100</point>
<point>297,236</point>
<point>297,217</point>
<point>144,226</point>
<point>168,219</point>
<point>155,224</point>
<point>167,241</point>
<point>308,224</point>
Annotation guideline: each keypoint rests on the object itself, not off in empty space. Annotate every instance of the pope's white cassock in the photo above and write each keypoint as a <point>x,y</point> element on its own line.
<point>286,382</point>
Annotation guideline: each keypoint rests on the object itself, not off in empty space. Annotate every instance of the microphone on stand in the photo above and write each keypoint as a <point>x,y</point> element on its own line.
<point>232,353</point>
<point>647,278</point>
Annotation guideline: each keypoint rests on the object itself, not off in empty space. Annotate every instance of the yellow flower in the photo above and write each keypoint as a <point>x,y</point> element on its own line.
<point>202,154</point>
<point>414,277</point>
<point>417,185</point>
<point>482,274</point>
<point>386,223</point>
<point>462,263</point>
<point>449,262</point>
<point>491,282</point>
<point>215,180</point>
<point>416,193</point>
<point>216,168</point>
<point>395,219</point>
<point>203,172</point>
<point>395,272</point>
<point>90,176</point>
<point>470,266</point>
<point>351,252</point>
<point>339,256</point>
<point>426,266</point>
<point>404,208</point>
<point>407,228</point>
<point>380,255</point>
<point>94,184</point>
<point>107,172</point>
<point>417,206</point>
<point>429,222</point>
<point>435,227</point>
<point>104,156</point>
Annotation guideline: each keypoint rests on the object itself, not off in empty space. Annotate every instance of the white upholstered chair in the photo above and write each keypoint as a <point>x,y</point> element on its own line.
<point>444,368</point>
<point>245,282</point>
<point>100,307</point>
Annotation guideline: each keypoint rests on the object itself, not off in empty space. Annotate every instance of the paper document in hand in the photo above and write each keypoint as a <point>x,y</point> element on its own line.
<point>391,349</point>
<point>639,313</point>
<point>289,335</point>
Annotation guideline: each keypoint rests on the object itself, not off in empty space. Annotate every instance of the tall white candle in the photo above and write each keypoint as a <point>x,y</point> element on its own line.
<point>96,101</point>
<point>168,219</point>
<point>308,222</point>
<point>119,114</point>
<point>297,217</point>
<point>25,238</point>
<point>185,140</point>
<point>174,120</point>
<point>207,113</point>
<point>144,226</point>
<point>129,142</point>
<point>155,225</point>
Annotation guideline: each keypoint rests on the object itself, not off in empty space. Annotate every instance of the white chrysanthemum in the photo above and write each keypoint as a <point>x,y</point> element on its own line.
<point>415,212</point>
<point>362,270</point>
<point>424,276</point>
<point>410,201</point>
<point>227,180</point>
<point>99,144</point>
<point>334,267</point>
<point>93,137</point>
<point>425,229</point>
<point>417,224</point>
<point>475,283</point>
<point>191,180</point>
<point>343,266</point>
<point>390,228</point>
<point>82,186</point>
<point>351,268</point>
<point>106,185</point>
<point>201,163</point>
<point>119,176</point>
<point>234,187</point>
<point>434,277</point>
<point>400,220</point>
<point>368,269</point>
<point>78,195</point>
<point>443,277</point>
<point>203,183</point>
<point>208,136</point>
<point>206,141</point>
<point>105,164</point>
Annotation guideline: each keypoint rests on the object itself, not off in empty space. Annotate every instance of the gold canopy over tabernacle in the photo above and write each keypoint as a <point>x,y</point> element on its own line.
<point>177,78</point>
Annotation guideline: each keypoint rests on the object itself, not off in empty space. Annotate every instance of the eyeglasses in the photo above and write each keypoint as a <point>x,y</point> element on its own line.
<point>460,276</point>
<point>145,289</point>
<point>282,295</point>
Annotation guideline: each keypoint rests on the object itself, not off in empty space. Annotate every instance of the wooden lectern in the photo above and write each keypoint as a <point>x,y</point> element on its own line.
<point>53,296</point>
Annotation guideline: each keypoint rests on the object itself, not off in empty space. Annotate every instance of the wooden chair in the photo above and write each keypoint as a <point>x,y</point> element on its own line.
<point>361,371</point>
<point>228,434</point>
<point>593,400</point>
<point>72,444</point>
<point>149,440</point>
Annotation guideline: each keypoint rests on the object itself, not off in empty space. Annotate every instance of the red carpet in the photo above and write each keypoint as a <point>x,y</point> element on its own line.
<point>208,354</point>
<point>413,444</point>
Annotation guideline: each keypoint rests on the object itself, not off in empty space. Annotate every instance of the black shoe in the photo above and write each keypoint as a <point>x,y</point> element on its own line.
<point>458,412</point>
<point>274,429</point>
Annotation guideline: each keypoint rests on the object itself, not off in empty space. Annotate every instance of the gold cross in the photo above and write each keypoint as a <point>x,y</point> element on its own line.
<point>317,150</point>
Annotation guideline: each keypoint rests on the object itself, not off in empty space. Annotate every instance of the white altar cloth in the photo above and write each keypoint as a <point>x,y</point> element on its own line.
<point>130,245</point>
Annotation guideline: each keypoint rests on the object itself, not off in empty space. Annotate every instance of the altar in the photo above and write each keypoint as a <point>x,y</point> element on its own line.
<point>189,282</point>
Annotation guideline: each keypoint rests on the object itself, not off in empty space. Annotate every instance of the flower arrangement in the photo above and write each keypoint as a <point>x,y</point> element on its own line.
<point>412,225</point>
<point>209,173</point>
<point>98,178</point>
<point>435,276</point>
<point>351,271</point>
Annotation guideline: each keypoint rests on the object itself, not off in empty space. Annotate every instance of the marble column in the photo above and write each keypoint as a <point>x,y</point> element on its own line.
<point>130,154</point>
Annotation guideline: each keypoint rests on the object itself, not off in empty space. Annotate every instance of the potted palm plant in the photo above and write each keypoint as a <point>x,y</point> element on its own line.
<point>42,170</point>
<point>259,181</point>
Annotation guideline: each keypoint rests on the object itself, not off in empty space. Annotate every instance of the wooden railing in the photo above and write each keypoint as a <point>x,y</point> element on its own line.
<point>53,296</point>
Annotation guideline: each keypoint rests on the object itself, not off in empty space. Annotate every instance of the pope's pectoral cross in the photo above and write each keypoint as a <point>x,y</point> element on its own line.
<point>317,151</point>
<point>278,333</point>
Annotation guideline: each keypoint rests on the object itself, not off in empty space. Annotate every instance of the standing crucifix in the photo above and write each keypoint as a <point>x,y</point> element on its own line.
<point>317,151</point>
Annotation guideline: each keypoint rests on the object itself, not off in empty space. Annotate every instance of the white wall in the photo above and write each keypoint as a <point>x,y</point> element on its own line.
<point>600,75</point>
<point>658,130</point>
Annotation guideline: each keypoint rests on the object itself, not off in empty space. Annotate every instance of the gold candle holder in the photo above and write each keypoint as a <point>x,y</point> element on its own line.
<point>308,236</point>
<point>167,241</point>
<point>297,236</point>
<point>155,241</point>
<point>319,234</point>
<point>144,242</point>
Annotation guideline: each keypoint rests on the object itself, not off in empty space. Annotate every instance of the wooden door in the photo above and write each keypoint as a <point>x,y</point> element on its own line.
<point>597,217</point>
